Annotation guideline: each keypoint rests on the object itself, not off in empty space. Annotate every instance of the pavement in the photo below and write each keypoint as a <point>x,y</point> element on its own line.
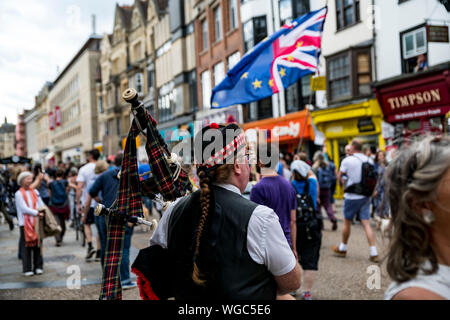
<point>350,278</point>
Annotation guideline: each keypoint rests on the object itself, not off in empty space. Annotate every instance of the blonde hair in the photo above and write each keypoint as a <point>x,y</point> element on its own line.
<point>101,166</point>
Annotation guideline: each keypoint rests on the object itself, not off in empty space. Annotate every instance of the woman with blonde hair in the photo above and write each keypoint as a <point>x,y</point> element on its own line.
<point>418,183</point>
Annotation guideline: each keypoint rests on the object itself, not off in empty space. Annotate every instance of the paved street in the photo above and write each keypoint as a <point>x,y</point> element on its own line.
<point>337,278</point>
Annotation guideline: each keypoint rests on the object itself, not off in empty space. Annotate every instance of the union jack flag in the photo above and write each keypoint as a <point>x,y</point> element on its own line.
<point>277,62</point>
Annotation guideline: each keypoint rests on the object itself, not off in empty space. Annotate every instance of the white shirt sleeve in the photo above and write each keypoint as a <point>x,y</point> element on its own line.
<point>159,237</point>
<point>39,203</point>
<point>343,167</point>
<point>267,244</point>
<point>80,176</point>
<point>22,206</point>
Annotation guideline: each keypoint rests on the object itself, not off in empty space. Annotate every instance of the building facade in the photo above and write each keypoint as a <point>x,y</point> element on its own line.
<point>7,139</point>
<point>42,123</point>
<point>21,139</point>
<point>175,70</point>
<point>72,103</point>
<point>413,65</point>
<point>31,130</point>
<point>219,46</point>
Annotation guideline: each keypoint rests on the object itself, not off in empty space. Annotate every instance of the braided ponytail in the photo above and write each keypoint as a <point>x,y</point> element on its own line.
<point>219,175</point>
<point>205,197</point>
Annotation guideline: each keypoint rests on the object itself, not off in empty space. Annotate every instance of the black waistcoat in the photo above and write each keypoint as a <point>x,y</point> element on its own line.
<point>224,260</point>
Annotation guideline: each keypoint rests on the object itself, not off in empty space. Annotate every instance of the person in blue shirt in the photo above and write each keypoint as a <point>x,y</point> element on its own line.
<point>308,242</point>
<point>144,167</point>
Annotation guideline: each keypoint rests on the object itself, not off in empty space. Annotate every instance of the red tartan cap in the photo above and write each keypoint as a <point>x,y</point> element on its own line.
<point>217,144</point>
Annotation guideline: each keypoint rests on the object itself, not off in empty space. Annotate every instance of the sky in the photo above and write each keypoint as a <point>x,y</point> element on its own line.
<point>39,36</point>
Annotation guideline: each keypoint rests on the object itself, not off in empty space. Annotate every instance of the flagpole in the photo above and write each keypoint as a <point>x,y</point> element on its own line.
<point>310,96</point>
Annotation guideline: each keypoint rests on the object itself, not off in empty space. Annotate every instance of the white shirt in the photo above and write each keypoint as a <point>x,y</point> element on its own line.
<point>266,242</point>
<point>86,174</point>
<point>351,166</point>
<point>438,283</point>
<point>22,207</point>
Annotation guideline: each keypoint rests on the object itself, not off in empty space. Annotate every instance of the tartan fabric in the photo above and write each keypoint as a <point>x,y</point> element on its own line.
<point>129,202</point>
<point>111,288</point>
<point>228,150</point>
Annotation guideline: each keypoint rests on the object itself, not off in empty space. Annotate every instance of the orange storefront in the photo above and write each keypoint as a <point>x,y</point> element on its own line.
<point>288,130</point>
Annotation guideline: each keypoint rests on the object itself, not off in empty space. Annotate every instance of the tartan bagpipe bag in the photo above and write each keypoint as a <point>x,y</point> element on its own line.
<point>167,178</point>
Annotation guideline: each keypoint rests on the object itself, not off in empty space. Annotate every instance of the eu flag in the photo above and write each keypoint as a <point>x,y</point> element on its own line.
<point>282,59</point>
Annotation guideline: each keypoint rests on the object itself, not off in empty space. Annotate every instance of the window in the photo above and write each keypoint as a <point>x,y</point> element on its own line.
<point>232,5</point>
<point>292,9</point>
<point>192,81</point>
<point>363,73</point>
<point>414,43</point>
<point>347,13</point>
<point>204,34</point>
<point>339,76</point>
<point>255,30</point>
<point>285,11</point>
<point>414,50</point>
<point>218,24</point>
<point>219,73</point>
<point>166,102</point>
<point>350,74</point>
<point>164,48</point>
<point>150,77</point>
<point>139,83</point>
<point>100,104</point>
<point>261,109</point>
<point>233,60</point>
<point>206,89</point>
<point>297,96</point>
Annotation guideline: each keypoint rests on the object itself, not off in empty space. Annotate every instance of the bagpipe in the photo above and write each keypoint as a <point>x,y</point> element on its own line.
<point>167,181</point>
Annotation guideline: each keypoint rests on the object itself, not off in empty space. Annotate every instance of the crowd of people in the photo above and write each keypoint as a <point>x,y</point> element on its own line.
<point>283,215</point>
<point>70,193</point>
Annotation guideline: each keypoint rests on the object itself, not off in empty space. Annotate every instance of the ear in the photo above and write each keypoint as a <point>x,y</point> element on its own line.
<point>237,167</point>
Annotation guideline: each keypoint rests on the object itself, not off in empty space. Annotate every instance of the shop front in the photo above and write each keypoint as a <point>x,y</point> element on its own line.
<point>416,104</point>
<point>342,124</point>
<point>288,130</point>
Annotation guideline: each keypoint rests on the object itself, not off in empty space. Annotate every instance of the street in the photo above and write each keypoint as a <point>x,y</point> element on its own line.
<point>337,278</point>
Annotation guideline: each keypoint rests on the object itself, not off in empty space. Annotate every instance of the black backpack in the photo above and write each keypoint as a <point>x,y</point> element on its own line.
<point>369,178</point>
<point>307,218</point>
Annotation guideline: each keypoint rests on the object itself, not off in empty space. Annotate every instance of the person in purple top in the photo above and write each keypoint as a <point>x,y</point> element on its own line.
<point>276,192</point>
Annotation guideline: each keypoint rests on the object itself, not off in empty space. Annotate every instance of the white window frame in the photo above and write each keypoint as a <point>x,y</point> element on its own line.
<point>206,89</point>
<point>233,16</point>
<point>416,51</point>
<point>233,59</point>
<point>219,73</point>
<point>217,24</point>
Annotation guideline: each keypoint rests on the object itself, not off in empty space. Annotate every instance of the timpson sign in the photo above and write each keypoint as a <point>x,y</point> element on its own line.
<point>419,98</point>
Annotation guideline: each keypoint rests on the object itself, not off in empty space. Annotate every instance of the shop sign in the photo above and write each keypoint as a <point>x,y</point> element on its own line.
<point>293,130</point>
<point>435,112</point>
<point>414,99</point>
<point>437,33</point>
<point>366,125</point>
<point>318,83</point>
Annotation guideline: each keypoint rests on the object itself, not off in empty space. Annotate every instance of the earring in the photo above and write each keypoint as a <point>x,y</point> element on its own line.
<point>428,216</point>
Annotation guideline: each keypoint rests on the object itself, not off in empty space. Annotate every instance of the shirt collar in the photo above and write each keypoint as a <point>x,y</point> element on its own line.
<point>229,187</point>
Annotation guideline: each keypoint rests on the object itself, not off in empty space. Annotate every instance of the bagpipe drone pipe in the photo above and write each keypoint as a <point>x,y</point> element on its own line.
<point>167,181</point>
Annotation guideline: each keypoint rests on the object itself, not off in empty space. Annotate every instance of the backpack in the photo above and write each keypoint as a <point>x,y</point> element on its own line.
<point>369,177</point>
<point>59,196</point>
<point>325,177</point>
<point>308,222</point>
